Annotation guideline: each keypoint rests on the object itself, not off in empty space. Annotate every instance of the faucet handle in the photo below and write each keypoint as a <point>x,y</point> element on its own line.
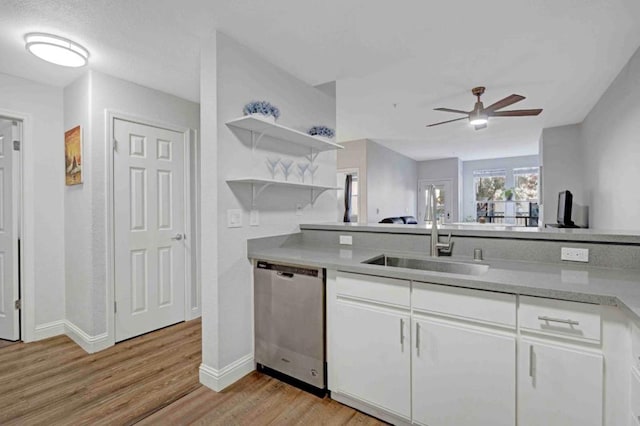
<point>446,246</point>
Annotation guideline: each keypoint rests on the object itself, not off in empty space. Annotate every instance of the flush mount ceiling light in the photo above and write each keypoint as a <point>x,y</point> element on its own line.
<point>56,50</point>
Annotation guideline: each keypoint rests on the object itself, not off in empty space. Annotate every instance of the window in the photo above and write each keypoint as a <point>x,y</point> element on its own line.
<point>525,181</point>
<point>489,184</point>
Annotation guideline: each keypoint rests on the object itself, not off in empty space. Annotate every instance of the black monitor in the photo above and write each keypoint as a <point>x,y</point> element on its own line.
<point>565,202</point>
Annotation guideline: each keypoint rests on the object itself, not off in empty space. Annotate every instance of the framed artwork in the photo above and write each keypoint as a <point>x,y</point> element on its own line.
<point>73,156</point>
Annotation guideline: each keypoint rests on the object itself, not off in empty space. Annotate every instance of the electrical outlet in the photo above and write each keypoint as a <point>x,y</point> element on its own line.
<point>346,240</point>
<point>574,254</point>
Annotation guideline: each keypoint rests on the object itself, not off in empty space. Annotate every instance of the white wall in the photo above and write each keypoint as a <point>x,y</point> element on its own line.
<point>87,103</point>
<point>562,161</point>
<point>391,183</point>
<point>446,168</point>
<point>354,156</point>
<point>610,135</point>
<point>208,257</point>
<point>43,183</point>
<point>78,214</point>
<point>243,76</point>
<point>508,163</point>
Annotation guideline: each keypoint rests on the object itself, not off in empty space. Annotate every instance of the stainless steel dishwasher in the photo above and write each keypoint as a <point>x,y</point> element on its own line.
<point>290,323</point>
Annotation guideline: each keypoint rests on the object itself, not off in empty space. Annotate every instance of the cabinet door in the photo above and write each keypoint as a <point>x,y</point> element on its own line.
<point>372,353</point>
<point>462,375</point>
<point>559,385</point>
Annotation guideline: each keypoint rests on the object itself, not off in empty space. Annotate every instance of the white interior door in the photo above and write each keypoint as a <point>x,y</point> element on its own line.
<point>444,199</point>
<point>9,283</point>
<point>149,227</point>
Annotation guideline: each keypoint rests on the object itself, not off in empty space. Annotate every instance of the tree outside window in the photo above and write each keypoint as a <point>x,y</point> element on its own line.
<point>526,183</point>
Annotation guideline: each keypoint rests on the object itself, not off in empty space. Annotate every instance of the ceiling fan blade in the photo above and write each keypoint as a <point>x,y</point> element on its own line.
<point>451,110</point>
<point>480,126</point>
<point>516,113</point>
<point>509,100</point>
<point>445,122</point>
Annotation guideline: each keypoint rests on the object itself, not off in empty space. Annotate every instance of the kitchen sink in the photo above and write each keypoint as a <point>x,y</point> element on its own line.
<point>429,265</point>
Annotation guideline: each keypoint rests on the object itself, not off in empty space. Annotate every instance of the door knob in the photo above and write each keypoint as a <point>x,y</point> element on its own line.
<point>178,237</point>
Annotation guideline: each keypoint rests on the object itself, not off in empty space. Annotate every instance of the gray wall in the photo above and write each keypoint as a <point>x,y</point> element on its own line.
<point>446,168</point>
<point>391,183</point>
<point>87,101</point>
<point>599,157</point>
<point>43,184</point>
<point>611,139</point>
<point>508,163</point>
<point>241,76</point>
<point>562,161</point>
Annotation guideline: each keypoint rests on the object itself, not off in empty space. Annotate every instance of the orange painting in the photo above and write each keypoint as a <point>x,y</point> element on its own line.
<point>73,156</point>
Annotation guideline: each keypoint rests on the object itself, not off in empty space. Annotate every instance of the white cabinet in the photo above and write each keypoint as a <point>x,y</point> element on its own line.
<point>372,349</point>
<point>370,342</point>
<point>462,375</point>
<point>560,363</point>
<point>464,356</point>
<point>438,355</point>
<point>559,385</point>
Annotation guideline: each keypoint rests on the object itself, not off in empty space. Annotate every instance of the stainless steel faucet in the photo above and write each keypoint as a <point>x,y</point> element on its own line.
<point>436,245</point>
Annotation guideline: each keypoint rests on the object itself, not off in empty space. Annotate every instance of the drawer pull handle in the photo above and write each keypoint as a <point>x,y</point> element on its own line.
<point>401,331</point>
<point>563,321</point>
<point>417,339</point>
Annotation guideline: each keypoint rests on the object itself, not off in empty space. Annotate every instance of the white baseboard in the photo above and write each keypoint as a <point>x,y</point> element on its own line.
<point>195,313</point>
<point>89,343</point>
<point>50,329</point>
<point>220,379</point>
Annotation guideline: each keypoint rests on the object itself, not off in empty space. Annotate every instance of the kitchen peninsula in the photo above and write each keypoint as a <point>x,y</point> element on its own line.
<point>527,340</point>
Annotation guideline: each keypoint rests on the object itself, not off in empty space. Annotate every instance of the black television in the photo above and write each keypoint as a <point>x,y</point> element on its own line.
<point>565,203</point>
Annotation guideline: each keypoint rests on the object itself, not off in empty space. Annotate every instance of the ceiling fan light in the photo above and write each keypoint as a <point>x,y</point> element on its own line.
<point>478,120</point>
<point>56,50</point>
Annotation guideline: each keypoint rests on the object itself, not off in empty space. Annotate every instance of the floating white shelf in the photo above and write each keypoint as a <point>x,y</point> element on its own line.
<point>258,185</point>
<point>283,133</point>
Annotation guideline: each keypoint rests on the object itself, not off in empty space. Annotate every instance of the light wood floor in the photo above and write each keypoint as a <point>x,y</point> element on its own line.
<point>5,343</point>
<point>152,379</point>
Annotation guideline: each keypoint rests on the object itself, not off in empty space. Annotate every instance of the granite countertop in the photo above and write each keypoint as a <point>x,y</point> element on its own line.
<point>604,286</point>
<point>490,231</point>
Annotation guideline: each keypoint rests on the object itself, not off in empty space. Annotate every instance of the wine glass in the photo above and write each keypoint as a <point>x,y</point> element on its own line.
<point>272,165</point>
<point>313,168</point>
<point>286,164</point>
<point>302,169</point>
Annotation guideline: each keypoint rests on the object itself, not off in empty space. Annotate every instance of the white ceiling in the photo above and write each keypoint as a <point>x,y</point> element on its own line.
<point>561,54</point>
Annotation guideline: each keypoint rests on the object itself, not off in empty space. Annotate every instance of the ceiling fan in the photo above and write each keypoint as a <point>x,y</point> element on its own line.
<point>479,116</point>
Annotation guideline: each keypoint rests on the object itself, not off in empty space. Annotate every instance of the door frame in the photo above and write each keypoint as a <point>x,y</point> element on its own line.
<point>24,230</point>
<point>434,182</point>
<point>189,137</point>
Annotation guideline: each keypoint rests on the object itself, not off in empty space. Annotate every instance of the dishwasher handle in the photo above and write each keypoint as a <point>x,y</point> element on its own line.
<point>285,274</point>
<point>289,270</point>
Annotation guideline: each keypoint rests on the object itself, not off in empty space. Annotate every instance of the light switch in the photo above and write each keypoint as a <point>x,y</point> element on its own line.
<point>234,218</point>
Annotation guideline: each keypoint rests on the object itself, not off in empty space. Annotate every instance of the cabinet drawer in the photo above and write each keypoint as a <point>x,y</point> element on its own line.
<point>464,303</point>
<point>377,289</point>
<point>574,320</point>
